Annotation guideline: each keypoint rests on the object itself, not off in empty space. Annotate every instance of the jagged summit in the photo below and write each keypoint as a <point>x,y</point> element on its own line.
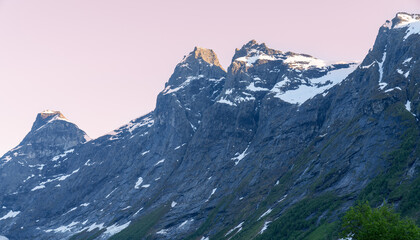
<point>253,49</point>
<point>47,116</point>
<point>53,128</point>
<point>198,63</point>
<point>208,55</point>
<point>253,53</point>
<point>230,155</point>
<point>201,54</point>
<point>403,19</point>
<point>48,113</point>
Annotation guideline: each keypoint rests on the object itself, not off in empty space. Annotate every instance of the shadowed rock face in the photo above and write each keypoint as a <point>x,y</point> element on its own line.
<point>222,149</point>
<point>52,130</point>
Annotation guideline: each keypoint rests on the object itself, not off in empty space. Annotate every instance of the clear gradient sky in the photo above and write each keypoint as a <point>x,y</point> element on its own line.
<point>103,62</point>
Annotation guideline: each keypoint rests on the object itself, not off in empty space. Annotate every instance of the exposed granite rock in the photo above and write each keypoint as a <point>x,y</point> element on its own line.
<point>218,144</point>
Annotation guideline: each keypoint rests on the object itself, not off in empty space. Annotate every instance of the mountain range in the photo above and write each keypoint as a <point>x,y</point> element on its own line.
<point>278,146</point>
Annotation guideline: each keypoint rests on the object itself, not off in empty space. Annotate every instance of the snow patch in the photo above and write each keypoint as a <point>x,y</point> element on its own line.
<point>29,177</point>
<point>10,214</point>
<point>107,196</point>
<point>180,146</point>
<point>138,183</point>
<point>188,80</point>
<point>146,121</point>
<point>63,229</point>
<point>93,227</point>
<point>114,229</point>
<point>408,107</point>
<point>239,227</point>
<point>64,177</point>
<point>62,155</point>
<point>264,227</point>
<point>212,192</point>
<point>71,210</point>
<point>185,223</point>
<point>7,158</point>
<point>250,60</point>
<point>229,91</point>
<point>162,232</point>
<point>282,199</point>
<point>225,101</point>
<point>41,186</point>
<point>137,212</point>
<point>130,127</point>
<point>253,88</point>
<point>392,89</point>
<point>304,62</point>
<point>411,22</point>
<point>368,66</point>
<point>265,214</point>
<point>159,162</point>
<point>315,86</point>
<point>381,66</point>
<point>407,60</point>
<point>382,85</point>
<point>240,156</point>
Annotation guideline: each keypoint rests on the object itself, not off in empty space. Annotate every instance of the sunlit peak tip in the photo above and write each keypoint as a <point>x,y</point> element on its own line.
<point>47,113</point>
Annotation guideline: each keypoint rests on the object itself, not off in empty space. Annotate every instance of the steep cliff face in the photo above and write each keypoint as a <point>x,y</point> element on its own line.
<point>192,88</point>
<point>51,134</point>
<point>231,154</point>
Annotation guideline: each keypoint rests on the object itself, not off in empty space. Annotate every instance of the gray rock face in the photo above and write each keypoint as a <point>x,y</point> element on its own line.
<point>51,134</point>
<point>51,129</point>
<point>217,144</point>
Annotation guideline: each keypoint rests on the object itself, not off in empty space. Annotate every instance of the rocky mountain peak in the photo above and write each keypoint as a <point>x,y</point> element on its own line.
<point>253,44</point>
<point>53,128</point>
<point>238,150</point>
<point>47,116</point>
<point>198,63</point>
<point>402,19</point>
<point>253,53</point>
<point>400,33</point>
<point>48,113</point>
<point>254,49</point>
<point>207,55</point>
<point>199,56</point>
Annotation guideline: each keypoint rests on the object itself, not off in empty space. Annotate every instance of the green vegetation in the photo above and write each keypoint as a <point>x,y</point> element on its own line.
<point>85,235</point>
<point>211,219</point>
<point>364,223</point>
<point>301,220</point>
<point>394,184</point>
<point>325,231</point>
<point>140,228</point>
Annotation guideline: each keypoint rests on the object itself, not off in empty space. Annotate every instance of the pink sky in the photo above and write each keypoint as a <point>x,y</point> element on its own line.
<point>103,62</point>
